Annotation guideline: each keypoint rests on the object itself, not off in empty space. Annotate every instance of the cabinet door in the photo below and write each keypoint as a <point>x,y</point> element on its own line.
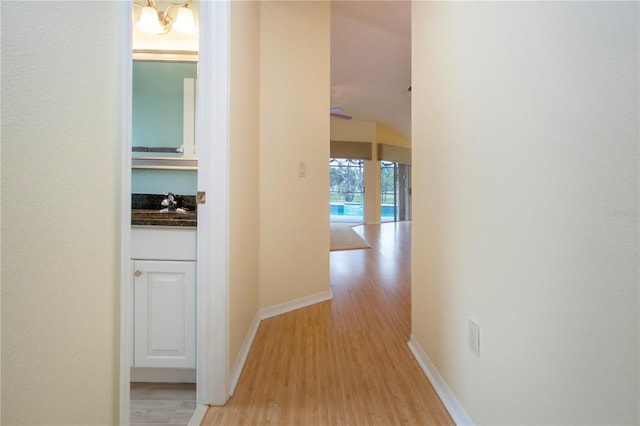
<point>165,314</point>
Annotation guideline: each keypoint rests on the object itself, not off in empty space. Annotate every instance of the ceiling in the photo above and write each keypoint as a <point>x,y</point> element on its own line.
<point>371,61</point>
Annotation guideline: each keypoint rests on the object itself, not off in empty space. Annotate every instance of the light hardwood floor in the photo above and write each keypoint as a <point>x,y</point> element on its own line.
<point>344,361</point>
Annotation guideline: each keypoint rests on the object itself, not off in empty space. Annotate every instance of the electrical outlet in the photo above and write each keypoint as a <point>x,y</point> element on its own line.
<point>474,336</point>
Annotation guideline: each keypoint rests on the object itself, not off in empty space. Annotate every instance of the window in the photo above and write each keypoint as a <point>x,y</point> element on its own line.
<point>346,190</point>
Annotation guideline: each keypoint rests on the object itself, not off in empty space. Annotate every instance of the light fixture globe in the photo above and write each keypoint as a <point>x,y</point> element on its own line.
<point>149,21</point>
<point>185,22</point>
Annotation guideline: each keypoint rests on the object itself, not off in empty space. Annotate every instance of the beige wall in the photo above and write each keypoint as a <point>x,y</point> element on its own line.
<point>294,127</point>
<point>60,213</point>
<point>371,198</point>
<point>243,156</point>
<point>353,130</point>
<point>366,131</point>
<point>386,135</point>
<point>525,153</point>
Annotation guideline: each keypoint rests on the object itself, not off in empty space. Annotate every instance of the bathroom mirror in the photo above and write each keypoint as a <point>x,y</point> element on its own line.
<point>163,109</point>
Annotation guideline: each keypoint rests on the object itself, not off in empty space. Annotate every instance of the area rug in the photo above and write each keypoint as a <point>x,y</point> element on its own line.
<point>343,237</point>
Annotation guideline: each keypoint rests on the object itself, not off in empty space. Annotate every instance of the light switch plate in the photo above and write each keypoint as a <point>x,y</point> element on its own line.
<point>474,336</point>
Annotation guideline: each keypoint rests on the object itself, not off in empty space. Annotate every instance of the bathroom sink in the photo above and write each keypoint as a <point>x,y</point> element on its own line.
<point>163,218</point>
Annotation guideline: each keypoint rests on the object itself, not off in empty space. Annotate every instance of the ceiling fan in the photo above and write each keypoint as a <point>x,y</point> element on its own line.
<point>337,112</point>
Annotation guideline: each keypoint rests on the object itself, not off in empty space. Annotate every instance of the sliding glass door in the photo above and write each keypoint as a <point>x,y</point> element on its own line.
<point>388,191</point>
<point>395,191</point>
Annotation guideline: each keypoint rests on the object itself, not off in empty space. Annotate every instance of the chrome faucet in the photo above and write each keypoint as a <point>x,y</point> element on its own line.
<point>170,202</point>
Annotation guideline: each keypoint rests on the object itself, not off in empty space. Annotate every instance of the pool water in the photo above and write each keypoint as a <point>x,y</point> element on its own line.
<point>386,210</point>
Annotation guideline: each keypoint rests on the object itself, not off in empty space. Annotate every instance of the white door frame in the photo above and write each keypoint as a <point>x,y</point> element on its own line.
<point>212,143</point>
<point>126,272</point>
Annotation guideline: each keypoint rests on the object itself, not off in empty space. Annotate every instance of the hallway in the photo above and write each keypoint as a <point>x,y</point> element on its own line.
<point>344,361</point>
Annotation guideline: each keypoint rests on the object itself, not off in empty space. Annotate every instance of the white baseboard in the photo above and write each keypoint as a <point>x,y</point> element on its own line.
<point>268,312</point>
<point>163,375</point>
<point>292,305</point>
<point>453,406</point>
<point>244,352</point>
<point>198,415</point>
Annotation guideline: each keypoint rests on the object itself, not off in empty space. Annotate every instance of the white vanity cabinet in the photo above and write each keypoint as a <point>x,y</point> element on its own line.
<point>164,314</point>
<point>164,294</point>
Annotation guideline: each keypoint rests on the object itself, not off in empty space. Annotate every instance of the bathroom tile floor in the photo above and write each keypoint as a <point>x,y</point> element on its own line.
<point>162,403</point>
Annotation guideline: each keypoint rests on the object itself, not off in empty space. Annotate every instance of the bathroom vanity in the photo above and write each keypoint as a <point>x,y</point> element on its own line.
<point>164,265</point>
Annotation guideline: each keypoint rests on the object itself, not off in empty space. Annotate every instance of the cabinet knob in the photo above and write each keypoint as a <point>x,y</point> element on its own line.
<point>137,273</point>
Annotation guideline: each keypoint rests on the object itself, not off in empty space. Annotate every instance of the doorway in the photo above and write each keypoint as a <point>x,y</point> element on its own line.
<point>212,240</point>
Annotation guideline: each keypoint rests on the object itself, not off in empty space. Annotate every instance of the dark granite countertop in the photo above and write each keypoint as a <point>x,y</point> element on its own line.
<point>145,211</point>
<point>155,218</point>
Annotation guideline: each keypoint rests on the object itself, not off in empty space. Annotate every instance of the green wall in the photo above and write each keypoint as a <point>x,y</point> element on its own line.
<point>158,122</point>
<point>158,102</point>
<point>152,181</point>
